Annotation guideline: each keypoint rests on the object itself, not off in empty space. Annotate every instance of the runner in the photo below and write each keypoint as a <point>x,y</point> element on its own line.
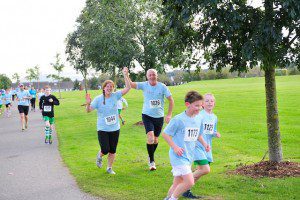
<point>32,92</point>
<point>23,98</point>
<point>1,100</point>
<point>108,125</point>
<point>153,110</point>
<point>208,130</point>
<point>181,135</point>
<point>46,105</point>
<point>8,100</point>
<point>120,108</point>
<point>41,93</point>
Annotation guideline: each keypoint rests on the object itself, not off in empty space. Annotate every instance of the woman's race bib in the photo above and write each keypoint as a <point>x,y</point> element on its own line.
<point>155,103</point>
<point>47,108</point>
<point>110,120</point>
<point>191,134</point>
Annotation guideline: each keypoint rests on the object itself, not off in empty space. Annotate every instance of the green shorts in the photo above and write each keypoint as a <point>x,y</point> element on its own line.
<point>119,110</point>
<point>201,162</point>
<point>50,119</point>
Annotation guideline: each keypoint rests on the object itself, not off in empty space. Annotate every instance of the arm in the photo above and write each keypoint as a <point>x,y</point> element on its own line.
<point>125,103</point>
<point>88,107</point>
<point>132,84</point>
<point>40,103</point>
<point>171,105</point>
<point>127,81</point>
<point>178,150</point>
<point>55,101</point>
<point>201,140</point>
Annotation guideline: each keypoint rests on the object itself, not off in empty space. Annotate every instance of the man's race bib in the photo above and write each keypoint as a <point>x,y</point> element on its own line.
<point>209,128</point>
<point>22,100</point>
<point>47,108</point>
<point>191,134</point>
<point>155,103</point>
<point>111,120</point>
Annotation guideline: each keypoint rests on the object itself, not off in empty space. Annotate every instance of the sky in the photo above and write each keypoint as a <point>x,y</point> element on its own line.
<point>33,31</point>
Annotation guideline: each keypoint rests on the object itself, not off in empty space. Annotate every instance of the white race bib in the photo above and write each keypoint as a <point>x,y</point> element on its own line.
<point>209,128</point>
<point>155,103</point>
<point>47,108</point>
<point>111,120</point>
<point>22,100</point>
<point>191,134</point>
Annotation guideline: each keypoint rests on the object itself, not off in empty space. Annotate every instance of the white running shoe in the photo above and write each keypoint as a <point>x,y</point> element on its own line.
<point>152,166</point>
<point>99,160</point>
<point>110,171</point>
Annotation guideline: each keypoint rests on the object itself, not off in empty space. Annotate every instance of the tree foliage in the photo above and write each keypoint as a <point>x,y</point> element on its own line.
<point>5,82</point>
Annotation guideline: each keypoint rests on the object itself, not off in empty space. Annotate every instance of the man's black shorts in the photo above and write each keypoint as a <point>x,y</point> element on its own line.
<point>153,124</point>
<point>23,109</point>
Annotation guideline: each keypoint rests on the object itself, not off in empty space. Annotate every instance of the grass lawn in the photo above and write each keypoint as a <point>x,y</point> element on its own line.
<point>240,107</point>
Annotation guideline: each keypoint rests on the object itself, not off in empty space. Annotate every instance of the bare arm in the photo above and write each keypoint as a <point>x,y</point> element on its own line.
<point>178,150</point>
<point>127,81</point>
<point>88,99</point>
<point>201,140</point>
<point>170,110</point>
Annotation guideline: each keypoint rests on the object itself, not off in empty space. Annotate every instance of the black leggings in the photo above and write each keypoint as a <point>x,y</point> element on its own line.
<point>108,141</point>
<point>32,101</point>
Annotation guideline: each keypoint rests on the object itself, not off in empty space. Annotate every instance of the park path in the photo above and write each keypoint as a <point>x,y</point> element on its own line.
<point>29,168</point>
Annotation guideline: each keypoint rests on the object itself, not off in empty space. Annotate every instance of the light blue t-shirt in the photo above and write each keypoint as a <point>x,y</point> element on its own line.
<point>208,130</point>
<point>185,132</point>
<point>7,98</point>
<point>32,93</point>
<point>108,116</point>
<point>21,100</point>
<point>154,98</point>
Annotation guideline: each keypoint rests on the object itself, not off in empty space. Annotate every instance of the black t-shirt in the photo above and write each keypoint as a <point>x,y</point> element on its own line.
<point>46,106</point>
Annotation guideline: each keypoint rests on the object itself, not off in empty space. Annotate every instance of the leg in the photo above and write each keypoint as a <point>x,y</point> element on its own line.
<point>113,143</point>
<point>22,116</point>
<point>201,171</point>
<point>47,129</point>
<point>176,181</point>
<point>187,183</point>
<point>104,147</point>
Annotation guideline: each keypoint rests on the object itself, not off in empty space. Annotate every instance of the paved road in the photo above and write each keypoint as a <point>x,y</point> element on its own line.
<point>29,168</point>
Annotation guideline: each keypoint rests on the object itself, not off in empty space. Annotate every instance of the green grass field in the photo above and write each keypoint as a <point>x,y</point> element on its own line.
<point>240,107</point>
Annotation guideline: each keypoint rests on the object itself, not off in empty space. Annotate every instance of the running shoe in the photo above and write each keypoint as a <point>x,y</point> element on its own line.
<point>99,160</point>
<point>123,122</point>
<point>110,171</point>
<point>46,140</point>
<point>152,166</point>
<point>188,194</point>
<point>26,125</point>
<point>50,139</point>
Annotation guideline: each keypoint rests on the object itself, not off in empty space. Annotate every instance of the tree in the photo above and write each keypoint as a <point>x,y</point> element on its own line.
<point>74,51</point>
<point>33,74</point>
<point>58,67</point>
<point>16,77</point>
<point>235,34</point>
<point>5,82</point>
<point>76,85</point>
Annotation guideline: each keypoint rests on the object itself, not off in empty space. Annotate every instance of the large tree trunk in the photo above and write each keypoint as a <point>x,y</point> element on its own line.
<point>274,141</point>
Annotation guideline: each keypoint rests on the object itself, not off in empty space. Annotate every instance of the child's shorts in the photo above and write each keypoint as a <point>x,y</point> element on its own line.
<point>181,170</point>
<point>201,162</point>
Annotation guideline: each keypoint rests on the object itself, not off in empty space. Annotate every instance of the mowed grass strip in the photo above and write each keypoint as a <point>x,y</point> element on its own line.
<point>240,107</point>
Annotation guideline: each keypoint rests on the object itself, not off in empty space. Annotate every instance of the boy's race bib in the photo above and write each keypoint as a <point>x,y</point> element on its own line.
<point>209,128</point>
<point>191,134</point>
<point>111,120</point>
<point>155,103</point>
<point>47,108</point>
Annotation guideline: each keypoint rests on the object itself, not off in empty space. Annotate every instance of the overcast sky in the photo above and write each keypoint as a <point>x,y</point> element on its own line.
<point>33,31</point>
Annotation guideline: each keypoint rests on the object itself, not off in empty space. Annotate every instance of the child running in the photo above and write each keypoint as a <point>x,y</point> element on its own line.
<point>46,105</point>
<point>181,134</point>
<point>208,130</point>
<point>8,100</point>
<point>108,126</point>
<point>120,108</point>
<point>32,92</point>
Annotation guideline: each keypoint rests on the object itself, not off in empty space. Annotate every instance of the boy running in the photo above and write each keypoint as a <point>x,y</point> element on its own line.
<point>181,134</point>
<point>202,159</point>
<point>46,105</point>
<point>32,92</point>
<point>23,98</point>
<point>120,108</point>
